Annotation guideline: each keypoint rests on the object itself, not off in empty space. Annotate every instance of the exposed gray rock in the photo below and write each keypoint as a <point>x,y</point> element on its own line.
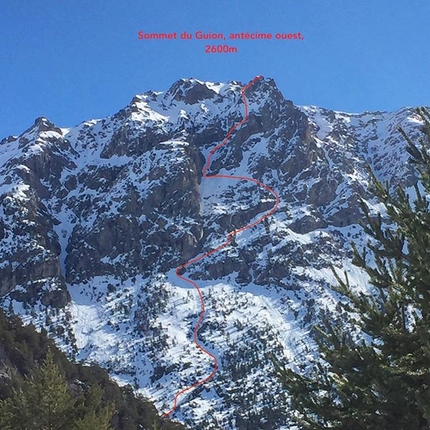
<point>122,196</point>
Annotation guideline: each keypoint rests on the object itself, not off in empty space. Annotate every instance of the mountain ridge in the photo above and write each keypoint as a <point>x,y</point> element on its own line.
<point>95,218</point>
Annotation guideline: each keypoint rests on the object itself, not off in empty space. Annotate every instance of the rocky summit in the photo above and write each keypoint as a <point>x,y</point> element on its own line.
<point>94,220</point>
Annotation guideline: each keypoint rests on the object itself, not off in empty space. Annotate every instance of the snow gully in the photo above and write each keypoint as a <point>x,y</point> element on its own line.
<point>230,237</point>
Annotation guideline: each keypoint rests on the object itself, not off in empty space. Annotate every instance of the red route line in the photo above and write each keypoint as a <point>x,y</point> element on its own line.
<point>223,245</point>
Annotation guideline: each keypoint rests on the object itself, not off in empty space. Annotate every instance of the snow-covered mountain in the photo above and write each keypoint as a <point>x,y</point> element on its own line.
<point>94,220</point>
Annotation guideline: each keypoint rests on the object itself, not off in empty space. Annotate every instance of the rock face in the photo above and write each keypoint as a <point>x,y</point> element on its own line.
<point>96,217</point>
<point>29,246</point>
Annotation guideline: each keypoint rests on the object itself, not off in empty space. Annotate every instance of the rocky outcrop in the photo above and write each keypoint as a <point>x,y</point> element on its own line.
<point>101,214</point>
<point>29,249</point>
<point>124,195</point>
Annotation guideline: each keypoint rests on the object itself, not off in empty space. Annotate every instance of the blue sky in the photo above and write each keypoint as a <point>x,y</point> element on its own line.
<point>73,60</point>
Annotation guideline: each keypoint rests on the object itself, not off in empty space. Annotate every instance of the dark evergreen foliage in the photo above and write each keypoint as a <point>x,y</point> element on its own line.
<point>383,380</point>
<point>38,385</point>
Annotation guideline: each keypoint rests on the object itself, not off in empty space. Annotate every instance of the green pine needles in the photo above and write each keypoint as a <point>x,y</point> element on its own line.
<point>382,383</point>
<point>44,401</point>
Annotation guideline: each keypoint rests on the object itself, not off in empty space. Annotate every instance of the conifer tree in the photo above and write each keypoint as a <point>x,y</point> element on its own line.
<point>95,414</point>
<point>43,402</point>
<point>381,381</point>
